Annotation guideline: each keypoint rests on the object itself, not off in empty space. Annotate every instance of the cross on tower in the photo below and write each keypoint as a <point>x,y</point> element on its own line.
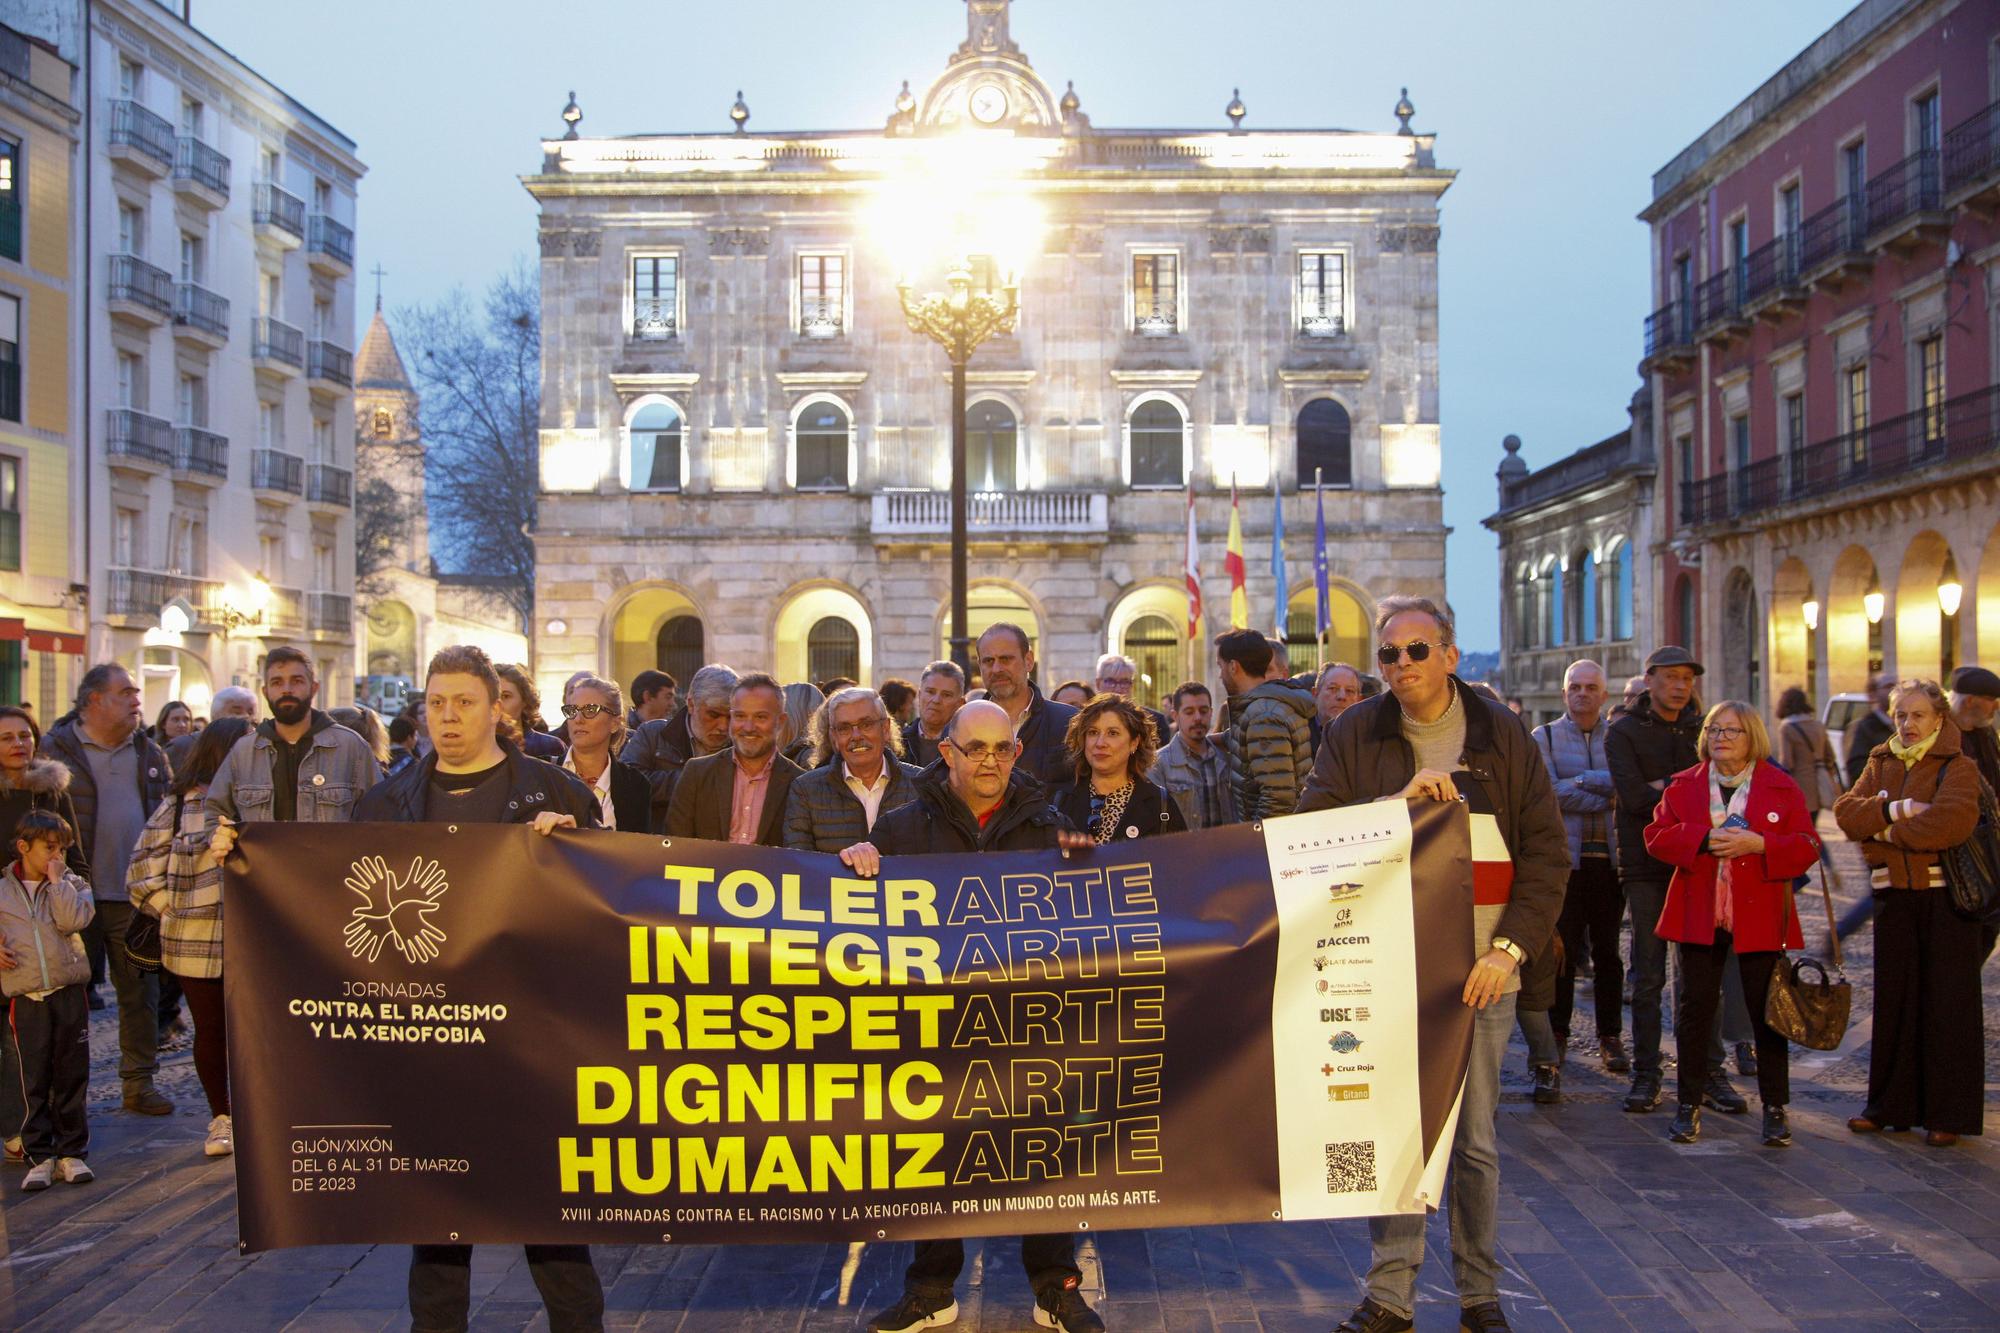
<point>379,270</point>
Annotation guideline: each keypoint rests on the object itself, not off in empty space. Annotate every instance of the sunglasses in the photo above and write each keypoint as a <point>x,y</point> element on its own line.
<point>1416,648</point>
<point>588,711</point>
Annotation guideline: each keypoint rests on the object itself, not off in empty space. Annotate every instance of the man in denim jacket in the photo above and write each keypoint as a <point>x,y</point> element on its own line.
<point>300,765</point>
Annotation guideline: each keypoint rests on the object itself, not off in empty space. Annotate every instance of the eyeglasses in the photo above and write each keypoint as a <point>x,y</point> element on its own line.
<point>1726,733</point>
<point>979,752</point>
<point>1416,648</point>
<point>588,711</point>
<point>866,725</point>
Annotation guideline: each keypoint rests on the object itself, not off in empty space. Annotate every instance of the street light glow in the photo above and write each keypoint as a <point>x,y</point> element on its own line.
<point>954,197</point>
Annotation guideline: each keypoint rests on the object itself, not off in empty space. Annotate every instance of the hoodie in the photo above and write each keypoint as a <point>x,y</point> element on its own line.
<point>1269,744</point>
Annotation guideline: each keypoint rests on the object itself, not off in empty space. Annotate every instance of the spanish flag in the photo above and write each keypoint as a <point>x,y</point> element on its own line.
<point>1239,600</point>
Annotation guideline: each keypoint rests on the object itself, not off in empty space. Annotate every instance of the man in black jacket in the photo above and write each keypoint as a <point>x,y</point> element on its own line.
<point>1433,738</point>
<point>472,776</point>
<point>1007,670</point>
<point>659,749</point>
<point>1643,749</point>
<point>1871,728</point>
<point>975,799</point>
<point>940,693</point>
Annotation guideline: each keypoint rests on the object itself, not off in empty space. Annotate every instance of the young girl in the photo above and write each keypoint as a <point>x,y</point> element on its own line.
<point>43,969</point>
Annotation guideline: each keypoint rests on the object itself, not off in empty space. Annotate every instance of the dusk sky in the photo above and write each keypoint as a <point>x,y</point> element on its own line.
<point>1555,116</point>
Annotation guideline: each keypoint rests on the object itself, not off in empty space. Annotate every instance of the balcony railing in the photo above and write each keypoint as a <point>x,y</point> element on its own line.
<point>1321,319</point>
<point>196,161</point>
<point>1672,325</point>
<point>1771,266</point>
<point>330,612</point>
<point>1582,468</point>
<point>274,206</point>
<point>10,539</point>
<point>199,308</point>
<point>274,340</point>
<point>1972,150</point>
<point>1156,321</point>
<point>326,361</point>
<point>326,484</point>
<point>822,320</point>
<point>1914,185</point>
<point>1833,232</point>
<point>134,280</point>
<point>133,126</point>
<point>286,609</point>
<point>1052,513</point>
<point>654,320</point>
<point>330,238</point>
<point>202,451</point>
<point>10,390</point>
<point>134,434</point>
<point>142,592</point>
<point>10,224</point>
<point>271,470</point>
<point>1719,297</point>
<point>1956,429</point>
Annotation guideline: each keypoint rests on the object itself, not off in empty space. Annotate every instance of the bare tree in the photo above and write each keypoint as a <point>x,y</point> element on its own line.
<point>382,516</point>
<point>480,372</point>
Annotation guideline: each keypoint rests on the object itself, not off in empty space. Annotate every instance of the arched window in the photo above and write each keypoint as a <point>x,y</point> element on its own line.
<point>657,435</point>
<point>384,424</point>
<point>677,650</point>
<point>819,439</point>
<point>1325,444</point>
<point>1158,432</point>
<point>1156,646</point>
<point>1583,578</point>
<point>1524,608</point>
<point>833,648</point>
<point>991,447</point>
<point>1619,580</point>
<point>1547,629</point>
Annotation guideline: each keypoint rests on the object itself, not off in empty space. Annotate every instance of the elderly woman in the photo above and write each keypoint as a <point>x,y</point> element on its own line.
<point>1917,796</point>
<point>595,715</point>
<point>1736,830</point>
<point>1111,746</point>
<point>522,703</point>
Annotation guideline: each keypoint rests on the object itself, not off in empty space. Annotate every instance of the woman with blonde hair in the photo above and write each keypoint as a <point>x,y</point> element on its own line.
<point>803,702</point>
<point>1737,832</point>
<point>1111,746</point>
<point>1917,796</point>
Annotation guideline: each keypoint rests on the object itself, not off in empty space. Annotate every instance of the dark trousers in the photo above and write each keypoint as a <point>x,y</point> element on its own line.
<point>1050,1261</point>
<point>211,1040</point>
<point>1927,1064</point>
<point>52,1042</point>
<point>1647,895</point>
<point>138,996</point>
<point>1593,908</point>
<point>441,1287</point>
<point>1702,967</point>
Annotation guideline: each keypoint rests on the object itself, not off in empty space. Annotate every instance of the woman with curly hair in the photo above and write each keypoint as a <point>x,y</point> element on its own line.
<point>1111,745</point>
<point>521,702</point>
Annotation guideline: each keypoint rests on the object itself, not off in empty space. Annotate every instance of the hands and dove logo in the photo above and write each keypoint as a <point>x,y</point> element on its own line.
<point>395,909</point>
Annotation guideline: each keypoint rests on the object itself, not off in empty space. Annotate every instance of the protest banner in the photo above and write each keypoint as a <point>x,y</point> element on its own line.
<point>480,1034</point>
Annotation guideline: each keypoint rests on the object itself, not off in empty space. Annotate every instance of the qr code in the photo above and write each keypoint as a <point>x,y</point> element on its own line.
<point>1350,1167</point>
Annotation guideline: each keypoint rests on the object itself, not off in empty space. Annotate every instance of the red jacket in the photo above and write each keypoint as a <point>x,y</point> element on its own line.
<point>1776,809</point>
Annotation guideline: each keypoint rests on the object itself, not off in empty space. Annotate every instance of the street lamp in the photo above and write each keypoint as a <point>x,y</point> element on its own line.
<point>1949,593</point>
<point>958,319</point>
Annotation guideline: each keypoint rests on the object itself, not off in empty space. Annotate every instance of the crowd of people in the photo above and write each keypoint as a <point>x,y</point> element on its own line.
<point>1691,820</point>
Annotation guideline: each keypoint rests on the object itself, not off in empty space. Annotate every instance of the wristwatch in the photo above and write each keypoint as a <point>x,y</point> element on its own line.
<point>1512,950</point>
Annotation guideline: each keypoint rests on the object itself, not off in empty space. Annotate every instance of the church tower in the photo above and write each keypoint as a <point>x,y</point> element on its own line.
<point>388,446</point>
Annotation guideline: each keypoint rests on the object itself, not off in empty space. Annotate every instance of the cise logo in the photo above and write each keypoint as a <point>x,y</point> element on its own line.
<point>1336,1015</point>
<point>1344,1042</point>
<point>395,909</point>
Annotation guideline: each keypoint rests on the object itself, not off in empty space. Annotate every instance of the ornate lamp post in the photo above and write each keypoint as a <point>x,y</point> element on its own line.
<point>958,319</point>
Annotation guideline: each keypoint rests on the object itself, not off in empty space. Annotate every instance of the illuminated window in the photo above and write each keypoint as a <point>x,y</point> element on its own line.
<point>10,199</point>
<point>384,424</point>
<point>1156,293</point>
<point>822,295</point>
<point>657,433</point>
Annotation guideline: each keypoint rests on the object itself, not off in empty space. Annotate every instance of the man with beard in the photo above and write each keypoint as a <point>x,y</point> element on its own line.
<point>738,793</point>
<point>835,804</point>
<point>299,765</point>
<point>1007,670</point>
<point>700,726</point>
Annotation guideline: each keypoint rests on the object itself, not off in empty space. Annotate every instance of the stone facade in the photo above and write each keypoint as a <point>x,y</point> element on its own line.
<point>1576,565</point>
<point>747,460</point>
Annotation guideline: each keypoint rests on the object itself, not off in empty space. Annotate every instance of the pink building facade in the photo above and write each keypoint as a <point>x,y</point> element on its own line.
<point>1822,354</point>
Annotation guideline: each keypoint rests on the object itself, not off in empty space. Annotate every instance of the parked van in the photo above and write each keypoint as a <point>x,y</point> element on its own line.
<point>1841,712</point>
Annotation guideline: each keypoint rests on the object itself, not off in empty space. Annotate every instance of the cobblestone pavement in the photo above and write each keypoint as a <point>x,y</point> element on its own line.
<point>1604,1225</point>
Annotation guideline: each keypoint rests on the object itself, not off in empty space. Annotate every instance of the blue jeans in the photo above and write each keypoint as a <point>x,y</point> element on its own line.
<point>1474,1187</point>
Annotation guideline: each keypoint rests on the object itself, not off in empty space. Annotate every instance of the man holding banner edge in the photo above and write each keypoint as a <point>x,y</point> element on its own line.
<point>1430,738</point>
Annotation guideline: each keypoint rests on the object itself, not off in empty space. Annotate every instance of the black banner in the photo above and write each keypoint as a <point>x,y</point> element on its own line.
<point>481,1034</point>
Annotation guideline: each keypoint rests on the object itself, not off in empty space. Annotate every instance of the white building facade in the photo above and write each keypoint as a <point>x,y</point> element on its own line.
<point>217,487</point>
<point>745,451</point>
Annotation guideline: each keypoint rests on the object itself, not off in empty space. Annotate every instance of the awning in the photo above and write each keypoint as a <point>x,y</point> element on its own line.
<point>44,641</point>
<point>13,629</point>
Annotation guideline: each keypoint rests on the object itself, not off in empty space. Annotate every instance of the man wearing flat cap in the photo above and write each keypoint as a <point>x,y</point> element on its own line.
<point>1975,697</point>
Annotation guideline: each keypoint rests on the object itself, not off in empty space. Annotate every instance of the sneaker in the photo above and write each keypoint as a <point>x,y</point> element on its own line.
<point>40,1176</point>
<point>915,1311</point>
<point>1687,1124</point>
<point>1723,1097</point>
<point>1746,1059</point>
<point>1777,1128</point>
<point>221,1140</point>
<point>1064,1308</point>
<point>1484,1318</point>
<point>145,1099</point>
<point>74,1171</point>
<point>1548,1085</point>
<point>1613,1050</point>
<point>16,1155</point>
<point>1368,1317</point>
<point>1645,1094</point>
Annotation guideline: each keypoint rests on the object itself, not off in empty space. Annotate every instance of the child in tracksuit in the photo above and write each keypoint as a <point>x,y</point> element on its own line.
<point>45,973</point>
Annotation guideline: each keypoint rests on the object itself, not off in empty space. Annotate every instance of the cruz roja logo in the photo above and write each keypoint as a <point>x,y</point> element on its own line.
<point>395,909</point>
<point>1344,1042</point>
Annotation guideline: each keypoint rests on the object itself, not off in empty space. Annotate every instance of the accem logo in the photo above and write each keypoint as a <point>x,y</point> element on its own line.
<point>395,910</point>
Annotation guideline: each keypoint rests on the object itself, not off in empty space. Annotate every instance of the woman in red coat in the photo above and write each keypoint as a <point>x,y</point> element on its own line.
<point>1736,830</point>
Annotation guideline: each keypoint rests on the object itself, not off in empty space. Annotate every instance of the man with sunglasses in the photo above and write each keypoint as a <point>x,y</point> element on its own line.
<point>982,802</point>
<point>1433,738</point>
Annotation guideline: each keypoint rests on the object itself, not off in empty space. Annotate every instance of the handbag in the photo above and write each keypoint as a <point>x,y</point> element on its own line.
<point>1825,775</point>
<point>1972,869</point>
<point>1805,1005</point>
<point>142,932</point>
